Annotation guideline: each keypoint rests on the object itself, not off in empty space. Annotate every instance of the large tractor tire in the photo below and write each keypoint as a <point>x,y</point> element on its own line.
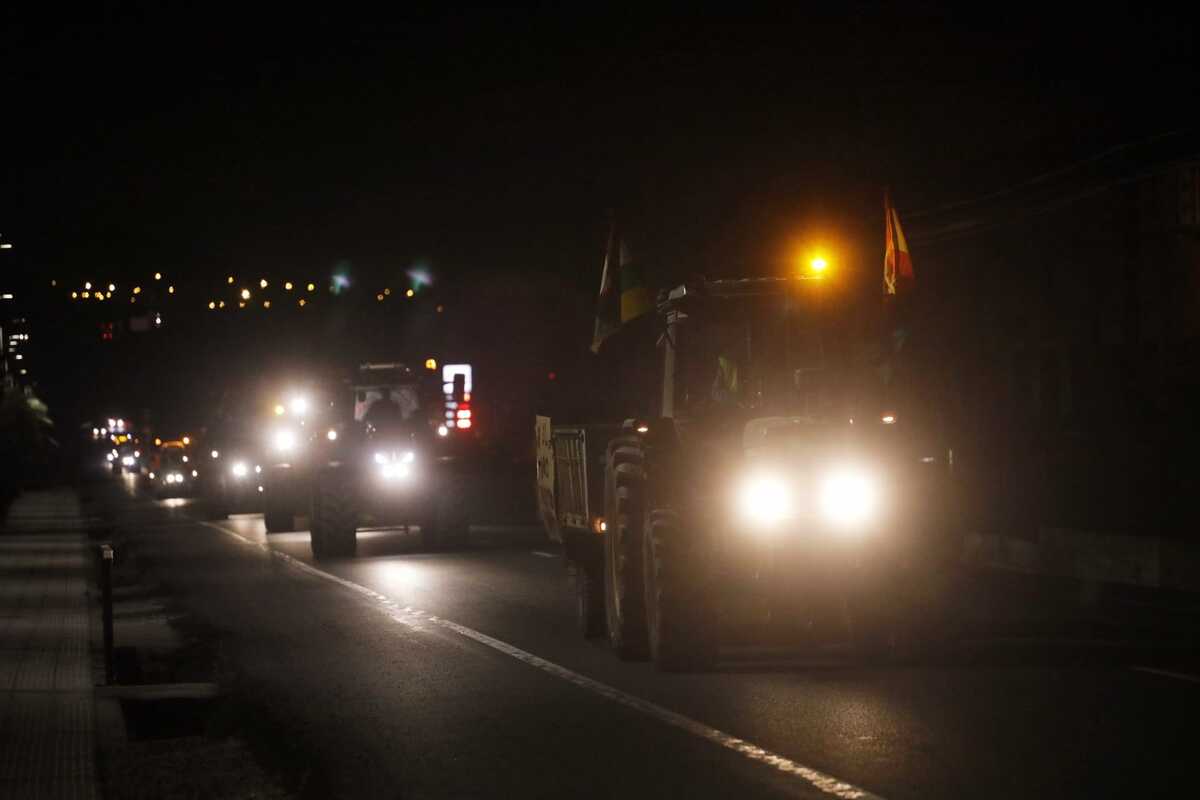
<point>624,500</point>
<point>279,520</point>
<point>443,523</point>
<point>334,519</point>
<point>681,615</point>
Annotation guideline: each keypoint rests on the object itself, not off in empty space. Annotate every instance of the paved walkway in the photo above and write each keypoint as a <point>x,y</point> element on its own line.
<point>47,722</point>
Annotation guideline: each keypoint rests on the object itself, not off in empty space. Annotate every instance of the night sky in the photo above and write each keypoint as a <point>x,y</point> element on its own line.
<point>474,142</point>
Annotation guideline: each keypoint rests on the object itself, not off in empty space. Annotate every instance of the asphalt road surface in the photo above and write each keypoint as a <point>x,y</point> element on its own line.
<point>461,674</point>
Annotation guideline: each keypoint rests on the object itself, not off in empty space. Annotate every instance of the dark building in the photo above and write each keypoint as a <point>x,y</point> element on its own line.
<point>1067,313</point>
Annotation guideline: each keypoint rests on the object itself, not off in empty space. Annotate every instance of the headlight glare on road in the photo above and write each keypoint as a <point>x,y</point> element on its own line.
<point>239,469</point>
<point>848,497</point>
<point>765,499</point>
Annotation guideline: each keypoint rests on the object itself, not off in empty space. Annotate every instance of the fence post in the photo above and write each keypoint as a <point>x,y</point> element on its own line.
<point>106,561</point>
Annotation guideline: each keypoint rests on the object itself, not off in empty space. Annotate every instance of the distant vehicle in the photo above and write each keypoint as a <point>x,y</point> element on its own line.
<point>287,429</point>
<point>740,485</point>
<point>231,481</point>
<point>399,447</point>
<point>173,472</point>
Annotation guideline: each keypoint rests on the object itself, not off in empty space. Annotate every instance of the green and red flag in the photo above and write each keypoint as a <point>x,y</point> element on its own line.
<point>898,272</point>
<point>624,295</point>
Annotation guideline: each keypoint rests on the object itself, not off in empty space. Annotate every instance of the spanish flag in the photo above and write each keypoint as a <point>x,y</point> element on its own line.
<point>897,261</point>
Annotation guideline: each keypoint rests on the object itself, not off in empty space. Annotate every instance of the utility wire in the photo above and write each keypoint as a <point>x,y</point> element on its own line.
<point>1046,176</point>
<point>979,225</point>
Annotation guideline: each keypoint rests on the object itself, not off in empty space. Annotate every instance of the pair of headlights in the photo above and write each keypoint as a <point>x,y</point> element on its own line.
<point>844,497</point>
<point>393,466</point>
<point>240,469</point>
<point>285,440</point>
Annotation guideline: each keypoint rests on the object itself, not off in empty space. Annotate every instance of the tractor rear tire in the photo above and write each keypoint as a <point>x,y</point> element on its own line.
<point>279,520</point>
<point>624,499</point>
<point>334,520</point>
<point>681,617</point>
<point>443,524</point>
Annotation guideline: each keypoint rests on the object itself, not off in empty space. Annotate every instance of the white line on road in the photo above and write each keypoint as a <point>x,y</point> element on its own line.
<point>414,618</point>
<point>1181,676</point>
<point>544,554</point>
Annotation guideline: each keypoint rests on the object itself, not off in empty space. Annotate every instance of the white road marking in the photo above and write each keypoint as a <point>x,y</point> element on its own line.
<point>1182,676</point>
<point>544,554</point>
<point>414,618</point>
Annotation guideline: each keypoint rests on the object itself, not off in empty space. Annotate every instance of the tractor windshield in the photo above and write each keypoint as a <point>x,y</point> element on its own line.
<point>759,356</point>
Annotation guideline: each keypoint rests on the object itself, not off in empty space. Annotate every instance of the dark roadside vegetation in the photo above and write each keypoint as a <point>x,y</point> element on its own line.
<point>32,457</point>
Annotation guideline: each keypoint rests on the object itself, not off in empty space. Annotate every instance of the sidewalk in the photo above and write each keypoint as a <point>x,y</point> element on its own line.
<point>47,720</point>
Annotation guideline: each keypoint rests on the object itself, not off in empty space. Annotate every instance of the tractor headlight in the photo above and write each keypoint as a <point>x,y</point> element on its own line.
<point>765,499</point>
<point>284,440</point>
<point>849,497</point>
<point>395,466</point>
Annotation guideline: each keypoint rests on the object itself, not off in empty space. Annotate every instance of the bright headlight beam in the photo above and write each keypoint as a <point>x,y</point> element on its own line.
<point>765,499</point>
<point>299,405</point>
<point>848,497</point>
<point>284,440</point>
<point>239,470</point>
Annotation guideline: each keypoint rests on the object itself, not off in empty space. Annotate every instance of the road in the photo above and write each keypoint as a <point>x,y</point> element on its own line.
<point>461,674</point>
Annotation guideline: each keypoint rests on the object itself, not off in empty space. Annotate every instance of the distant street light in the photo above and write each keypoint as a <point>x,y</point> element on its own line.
<point>262,284</point>
<point>245,294</point>
<point>158,276</point>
